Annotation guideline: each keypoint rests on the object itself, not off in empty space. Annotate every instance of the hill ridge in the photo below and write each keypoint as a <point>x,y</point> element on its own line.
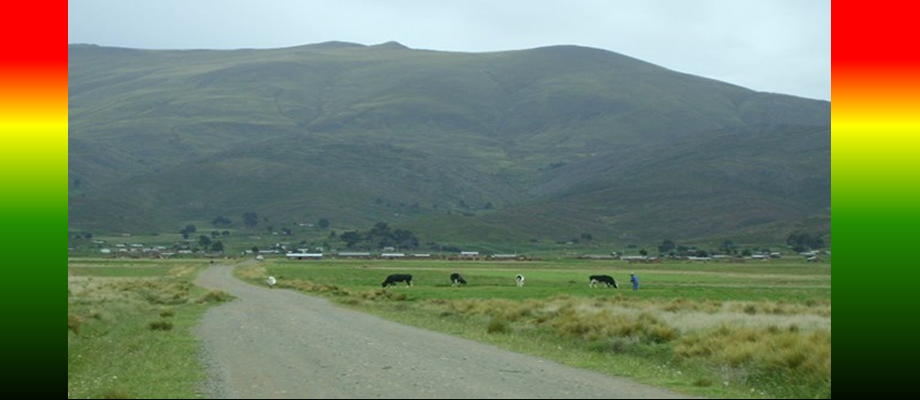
<point>534,142</point>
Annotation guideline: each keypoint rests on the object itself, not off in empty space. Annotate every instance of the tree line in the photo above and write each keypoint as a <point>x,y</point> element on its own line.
<point>380,236</point>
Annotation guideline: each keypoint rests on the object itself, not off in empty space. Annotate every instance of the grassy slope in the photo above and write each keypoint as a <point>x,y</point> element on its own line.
<point>112,351</point>
<point>162,137</point>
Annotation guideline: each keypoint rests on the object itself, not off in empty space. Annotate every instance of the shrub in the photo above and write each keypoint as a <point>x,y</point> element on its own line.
<point>160,326</point>
<point>498,325</point>
<point>73,323</point>
<point>116,394</point>
<point>703,382</point>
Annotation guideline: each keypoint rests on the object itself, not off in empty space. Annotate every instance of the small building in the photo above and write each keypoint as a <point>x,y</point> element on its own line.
<point>304,256</point>
<point>392,256</point>
<point>354,254</point>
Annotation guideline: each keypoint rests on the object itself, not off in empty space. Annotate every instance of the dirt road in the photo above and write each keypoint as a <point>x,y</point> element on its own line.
<point>282,344</point>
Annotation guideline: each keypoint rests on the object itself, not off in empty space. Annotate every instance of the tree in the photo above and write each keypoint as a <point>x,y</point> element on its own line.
<point>204,241</point>
<point>804,241</point>
<point>728,247</point>
<point>324,223</point>
<point>217,247</point>
<point>643,252</point>
<point>221,220</point>
<point>404,239</point>
<point>250,219</point>
<point>666,246</point>
<point>351,239</point>
<point>187,231</point>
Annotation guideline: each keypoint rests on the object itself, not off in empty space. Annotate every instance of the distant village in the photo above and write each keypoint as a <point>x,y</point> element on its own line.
<point>139,250</point>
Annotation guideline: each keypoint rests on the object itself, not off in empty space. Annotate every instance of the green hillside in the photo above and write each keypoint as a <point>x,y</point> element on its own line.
<point>471,147</point>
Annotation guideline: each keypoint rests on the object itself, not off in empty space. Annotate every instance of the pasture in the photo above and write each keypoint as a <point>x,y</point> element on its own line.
<point>719,330</point>
<point>130,328</point>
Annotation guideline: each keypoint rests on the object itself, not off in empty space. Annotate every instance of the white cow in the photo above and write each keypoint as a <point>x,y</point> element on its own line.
<point>520,280</point>
<point>271,281</point>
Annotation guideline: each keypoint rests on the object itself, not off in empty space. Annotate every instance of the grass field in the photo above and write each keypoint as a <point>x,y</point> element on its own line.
<point>129,328</point>
<point>719,330</point>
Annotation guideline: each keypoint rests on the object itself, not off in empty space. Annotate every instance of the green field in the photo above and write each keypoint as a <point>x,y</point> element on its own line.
<point>719,330</point>
<point>130,328</point>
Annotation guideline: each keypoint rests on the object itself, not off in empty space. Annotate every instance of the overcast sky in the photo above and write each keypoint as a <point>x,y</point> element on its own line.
<point>781,46</point>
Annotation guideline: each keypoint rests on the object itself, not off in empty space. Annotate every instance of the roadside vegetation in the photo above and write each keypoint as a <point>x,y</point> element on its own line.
<point>717,330</point>
<point>129,328</point>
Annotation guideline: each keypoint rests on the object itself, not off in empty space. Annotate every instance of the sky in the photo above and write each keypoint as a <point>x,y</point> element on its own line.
<point>779,46</point>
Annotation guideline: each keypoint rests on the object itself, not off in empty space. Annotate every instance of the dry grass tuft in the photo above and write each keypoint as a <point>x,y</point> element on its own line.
<point>74,323</point>
<point>215,296</point>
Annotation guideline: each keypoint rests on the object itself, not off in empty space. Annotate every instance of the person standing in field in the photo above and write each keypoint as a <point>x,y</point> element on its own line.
<point>635,281</point>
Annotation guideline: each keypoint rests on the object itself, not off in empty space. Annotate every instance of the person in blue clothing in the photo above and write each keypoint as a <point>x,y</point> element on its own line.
<point>635,281</point>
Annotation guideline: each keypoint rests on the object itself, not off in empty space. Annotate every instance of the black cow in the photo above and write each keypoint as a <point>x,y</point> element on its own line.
<point>607,280</point>
<point>392,280</point>
<point>457,279</point>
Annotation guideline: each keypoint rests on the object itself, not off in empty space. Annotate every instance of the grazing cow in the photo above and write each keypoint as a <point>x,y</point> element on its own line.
<point>607,280</point>
<point>392,280</point>
<point>456,279</point>
<point>271,282</point>
<point>520,280</point>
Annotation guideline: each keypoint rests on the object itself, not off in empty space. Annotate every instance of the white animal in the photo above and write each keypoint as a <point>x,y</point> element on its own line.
<point>520,280</point>
<point>271,281</point>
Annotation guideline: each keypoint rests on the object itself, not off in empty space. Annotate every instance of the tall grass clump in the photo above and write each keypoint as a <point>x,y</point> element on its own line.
<point>792,362</point>
<point>604,325</point>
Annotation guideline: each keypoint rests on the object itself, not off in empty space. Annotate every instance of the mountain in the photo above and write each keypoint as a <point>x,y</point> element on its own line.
<point>545,144</point>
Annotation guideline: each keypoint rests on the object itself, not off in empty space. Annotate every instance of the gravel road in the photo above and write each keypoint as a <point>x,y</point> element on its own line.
<point>273,343</point>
